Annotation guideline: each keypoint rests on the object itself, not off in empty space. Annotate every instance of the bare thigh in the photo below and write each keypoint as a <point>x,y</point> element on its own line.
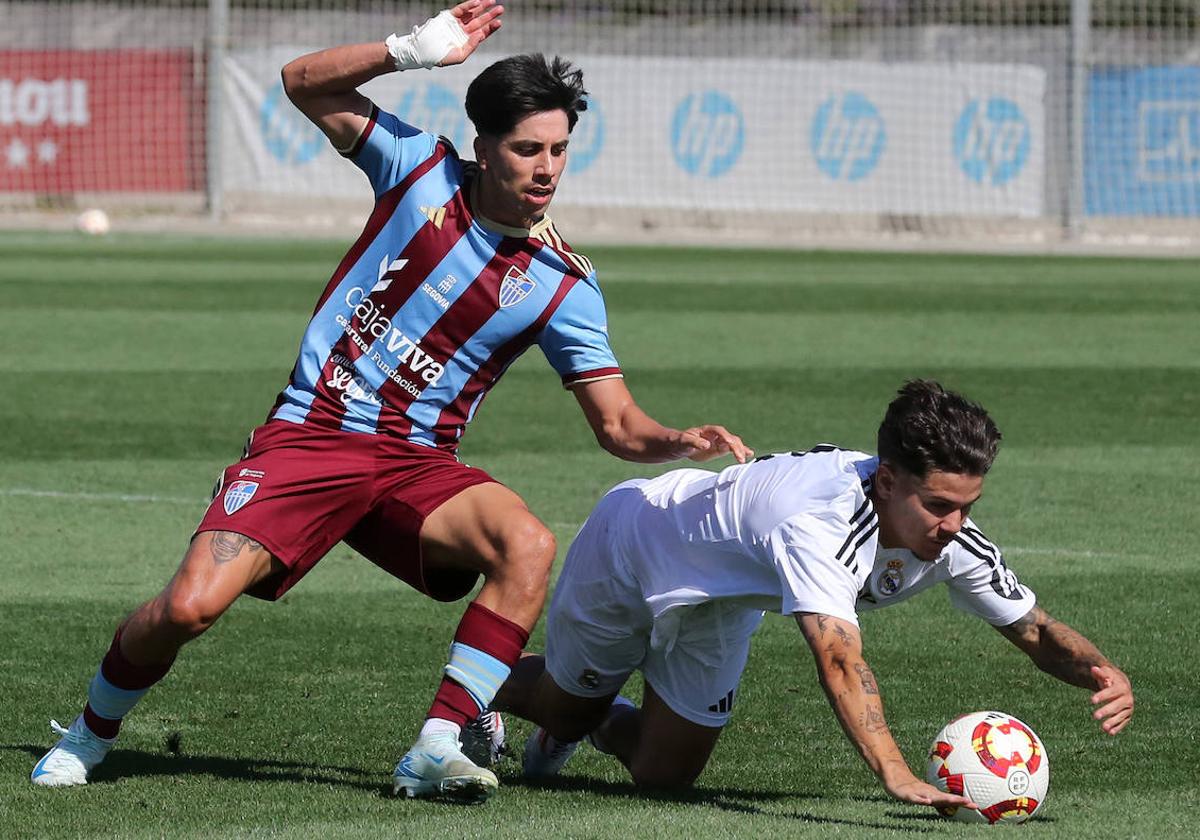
<point>487,528</point>
<point>669,751</point>
<point>217,567</point>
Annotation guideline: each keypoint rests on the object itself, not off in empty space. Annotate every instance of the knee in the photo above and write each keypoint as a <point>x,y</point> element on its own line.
<point>658,774</point>
<point>526,552</point>
<point>186,615</point>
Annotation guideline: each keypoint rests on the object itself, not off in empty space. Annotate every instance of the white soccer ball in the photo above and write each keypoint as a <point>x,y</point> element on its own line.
<point>996,761</point>
<point>93,222</point>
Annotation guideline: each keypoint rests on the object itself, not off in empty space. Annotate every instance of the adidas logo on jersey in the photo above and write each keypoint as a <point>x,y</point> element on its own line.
<point>437,215</point>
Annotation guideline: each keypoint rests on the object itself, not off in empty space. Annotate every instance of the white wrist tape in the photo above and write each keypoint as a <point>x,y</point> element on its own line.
<point>428,43</point>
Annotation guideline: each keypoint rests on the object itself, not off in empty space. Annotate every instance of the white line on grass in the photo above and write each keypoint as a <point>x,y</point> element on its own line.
<point>1070,552</point>
<point>99,497</point>
<point>557,526</point>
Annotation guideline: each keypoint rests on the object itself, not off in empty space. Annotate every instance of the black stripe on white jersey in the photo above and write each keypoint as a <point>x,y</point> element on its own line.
<point>1003,581</point>
<point>866,520</point>
<point>853,558</point>
<point>796,453</point>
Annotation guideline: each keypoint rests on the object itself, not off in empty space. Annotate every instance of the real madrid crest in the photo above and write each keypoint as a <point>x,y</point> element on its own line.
<point>892,578</point>
<point>515,287</point>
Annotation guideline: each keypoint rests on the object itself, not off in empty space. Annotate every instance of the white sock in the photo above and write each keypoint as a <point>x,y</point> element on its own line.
<point>437,726</point>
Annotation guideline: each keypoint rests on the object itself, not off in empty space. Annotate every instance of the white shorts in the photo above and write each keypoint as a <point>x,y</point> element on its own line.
<point>598,630</point>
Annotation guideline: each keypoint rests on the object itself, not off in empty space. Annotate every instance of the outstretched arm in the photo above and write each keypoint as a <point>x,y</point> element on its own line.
<point>852,691</point>
<point>623,429</point>
<point>324,85</point>
<point>1063,652</point>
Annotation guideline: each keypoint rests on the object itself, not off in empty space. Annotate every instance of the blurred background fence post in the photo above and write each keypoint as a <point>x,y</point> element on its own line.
<point>218,38</point>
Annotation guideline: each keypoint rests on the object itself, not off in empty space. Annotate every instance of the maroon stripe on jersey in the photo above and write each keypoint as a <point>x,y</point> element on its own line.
<point>327,408</point>
<point>478,303</point>
<point>454,416</point>
<point>385,208</point>
<point>366,132</point>
<point>423,253</point>
<point>591,374</point>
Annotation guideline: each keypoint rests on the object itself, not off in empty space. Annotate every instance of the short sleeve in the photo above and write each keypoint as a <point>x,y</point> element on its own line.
<point>804,550</point>
<point>575,339</point>
<point>982,585</point>
<point>388,150</point>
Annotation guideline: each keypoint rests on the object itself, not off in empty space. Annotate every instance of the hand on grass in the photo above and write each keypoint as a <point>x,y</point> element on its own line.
<point>1114,699</point>
<point>916,792</point>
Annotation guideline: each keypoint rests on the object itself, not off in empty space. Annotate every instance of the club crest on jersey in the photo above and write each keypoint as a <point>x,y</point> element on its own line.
<point>892,579</point>
<point>515,287</point>
<point>237,494</point>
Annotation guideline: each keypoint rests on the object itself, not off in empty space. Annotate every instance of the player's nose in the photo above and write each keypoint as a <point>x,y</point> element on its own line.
<point>953,523</point>
<point>545,163</point>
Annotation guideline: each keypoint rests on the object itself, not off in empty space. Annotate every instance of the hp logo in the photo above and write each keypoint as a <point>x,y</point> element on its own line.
<point>848,136</point>
<point>707,134</point>
<point>287,134</point>
<point>587,139</point>
<point>435,109</point>
<point>992,140</point>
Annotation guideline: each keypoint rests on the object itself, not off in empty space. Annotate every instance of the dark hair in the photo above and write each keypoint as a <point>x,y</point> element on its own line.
<point>928,428</point>
<point>513,88</point>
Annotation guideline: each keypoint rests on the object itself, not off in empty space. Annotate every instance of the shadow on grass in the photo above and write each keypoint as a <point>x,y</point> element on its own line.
<point>926,816</point>
<point>734,800</point>
<point>131,764</point>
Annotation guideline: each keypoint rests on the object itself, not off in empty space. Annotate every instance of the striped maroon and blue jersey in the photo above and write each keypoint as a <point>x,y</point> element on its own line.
<point>432,304</point>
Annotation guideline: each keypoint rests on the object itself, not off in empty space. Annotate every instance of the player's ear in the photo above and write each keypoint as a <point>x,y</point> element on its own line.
<point>885,481</point>
<point>480,153</point>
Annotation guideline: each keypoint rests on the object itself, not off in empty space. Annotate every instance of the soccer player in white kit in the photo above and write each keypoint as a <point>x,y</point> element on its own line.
<point>671,576</point>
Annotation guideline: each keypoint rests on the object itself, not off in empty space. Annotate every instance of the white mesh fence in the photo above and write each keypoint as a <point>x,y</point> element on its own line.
<point>800,120</point>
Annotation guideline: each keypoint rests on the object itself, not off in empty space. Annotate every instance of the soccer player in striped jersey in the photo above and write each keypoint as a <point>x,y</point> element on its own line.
<point>458,271</point>
<point>671,576</point>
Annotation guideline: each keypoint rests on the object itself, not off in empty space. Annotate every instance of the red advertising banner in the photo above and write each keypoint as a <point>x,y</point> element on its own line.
<point>99,120</point>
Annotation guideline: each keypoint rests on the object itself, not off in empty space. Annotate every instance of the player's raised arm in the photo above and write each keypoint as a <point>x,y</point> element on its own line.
<point>1065,653</point>
<point>324,85</point>
<point>852,691</point>
<point>622,428</point>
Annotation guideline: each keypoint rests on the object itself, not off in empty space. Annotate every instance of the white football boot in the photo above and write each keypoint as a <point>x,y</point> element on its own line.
<point>72,758</point>
<point>483,739</point>
<point>435,768</point>
<point>545,755</point>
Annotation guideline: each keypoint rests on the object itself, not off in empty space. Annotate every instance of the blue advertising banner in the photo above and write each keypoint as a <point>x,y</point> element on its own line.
<point>1142,142</point>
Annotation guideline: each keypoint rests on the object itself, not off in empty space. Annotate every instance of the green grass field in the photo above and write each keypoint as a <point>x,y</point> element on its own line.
<point>134,367</point>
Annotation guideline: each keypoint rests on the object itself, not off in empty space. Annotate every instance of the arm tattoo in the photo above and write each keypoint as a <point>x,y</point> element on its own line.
<point>841,633</point>
<point>869,685</point>
<point>1055,647</point>
<point>822,620</point>
<point>872,719</point>
<point>227,545</point>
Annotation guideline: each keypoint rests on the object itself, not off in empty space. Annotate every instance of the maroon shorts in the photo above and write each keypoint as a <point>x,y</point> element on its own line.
<point>299,490</point>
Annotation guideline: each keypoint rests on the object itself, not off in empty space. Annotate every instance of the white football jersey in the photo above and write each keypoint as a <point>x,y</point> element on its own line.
<point>789,533</point>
